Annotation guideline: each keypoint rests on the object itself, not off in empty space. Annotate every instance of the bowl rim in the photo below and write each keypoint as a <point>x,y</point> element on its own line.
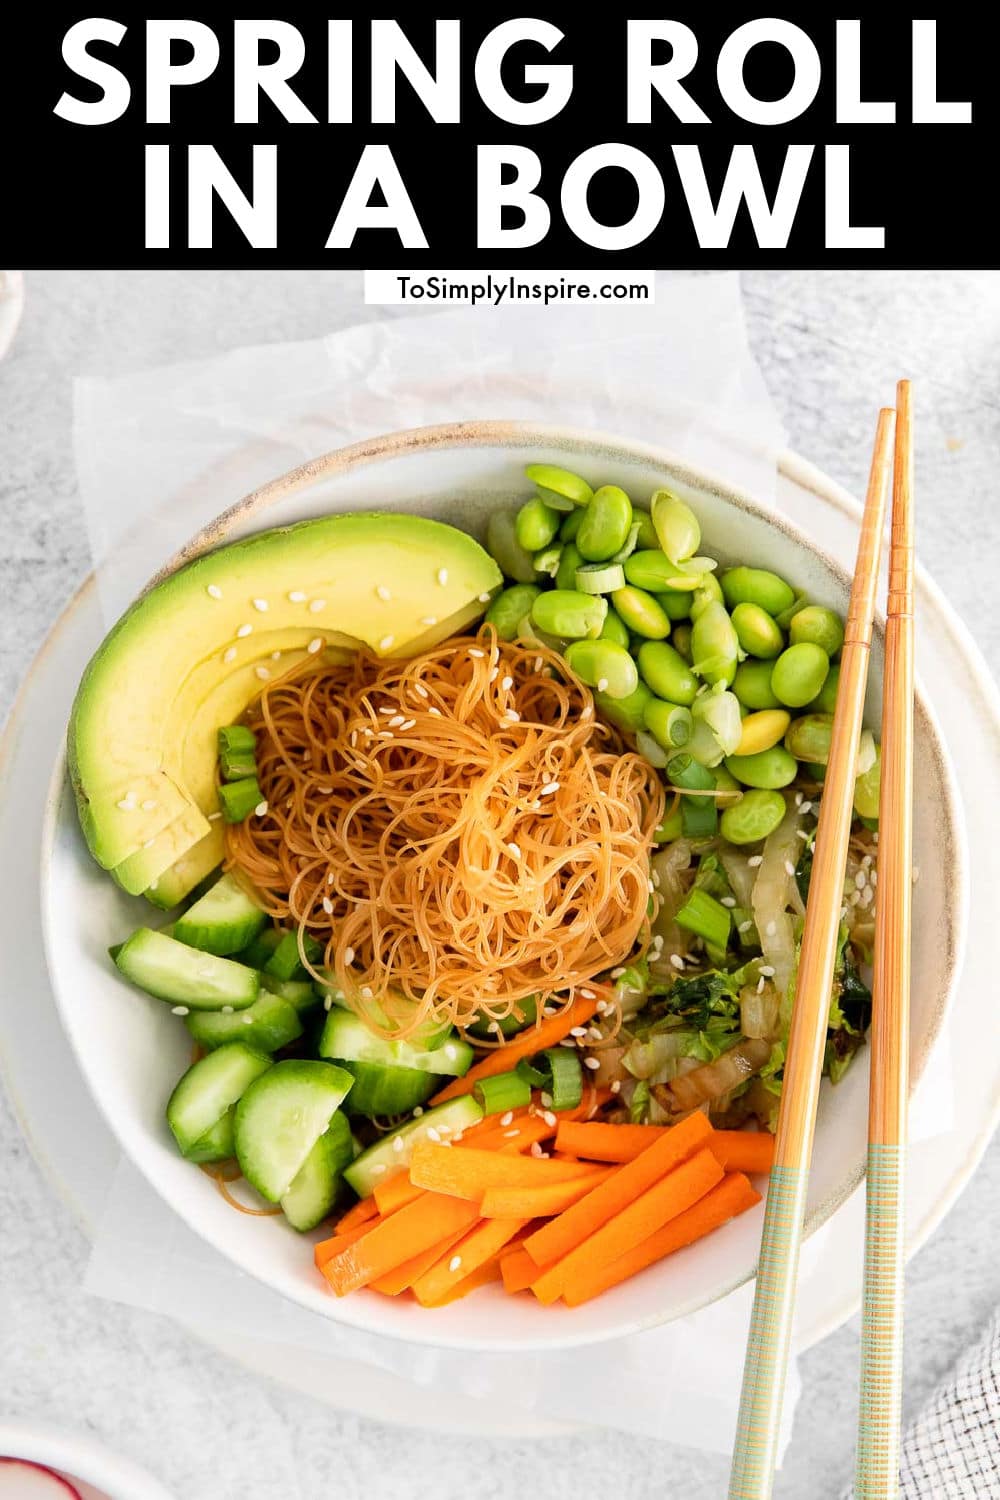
<point>606,446</point>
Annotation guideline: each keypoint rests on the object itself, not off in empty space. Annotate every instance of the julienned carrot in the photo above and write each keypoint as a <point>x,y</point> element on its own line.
<point>732,1196</point>
<point>469,1174</point>
<point>541,1202</point>
<point>563,1234</point>
<point>516,1137</point>
<point>395,1193</point>
<point>480,1245</point>
<point>400,1237</point>
<point>525,1044</point>
<point>362,1211</point>
<point>744,1150</point>
<point>518,1271</point>
<point>327,1249</point>
<point>649,1212</point>
<point>600,1142</point>
<point>402,1277</point>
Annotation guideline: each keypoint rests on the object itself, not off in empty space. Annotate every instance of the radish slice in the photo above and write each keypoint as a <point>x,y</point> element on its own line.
<point>20,1480</point>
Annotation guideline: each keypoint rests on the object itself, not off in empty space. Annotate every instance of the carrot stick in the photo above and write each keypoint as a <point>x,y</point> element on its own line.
<point>518,1271</point>
<point>490,1271</point>
<point>360,1213</point>
<point>516,1137</point>
<point>468,1174</point>
<point>400,1237</point>
<point>732,1196</point>
<point>743,1150</point>
<point>402,1277</point>
<point>600,1142</point>
<point>395,1193</point>
<point>563,1234</point>
<point>327,1249</point>
<point>481,1244</point>
<point>540,1202</point>
<point>525,1044</point>
<point>664,1201</point>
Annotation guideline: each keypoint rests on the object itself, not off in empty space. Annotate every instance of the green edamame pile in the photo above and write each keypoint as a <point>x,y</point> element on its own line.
<point>731,665</point>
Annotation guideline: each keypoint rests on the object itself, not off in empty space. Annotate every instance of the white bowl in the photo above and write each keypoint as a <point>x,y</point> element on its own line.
<point>131,1050</point>
<point>96,1472</point>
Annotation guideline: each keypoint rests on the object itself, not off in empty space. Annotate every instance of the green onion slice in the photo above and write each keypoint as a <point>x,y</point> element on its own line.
<point>558,1072</point>
<point>502,1092</point>
<point>238,799</point>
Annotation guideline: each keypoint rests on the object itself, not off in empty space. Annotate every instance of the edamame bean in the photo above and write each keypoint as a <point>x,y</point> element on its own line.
<point>671,828</point>
<point>819,625</point>
<point>756,815</point>
<point>769,769</point>
<point>680,637</point>
<point>664,670</point>
<point>714,646</point>
<point>614,629</point>
<point>809,737</point>
<point>536,525</point>
<point>605,525</point>
<point>600,578</point>
<point>569,561</point>
<point>604,666</point>
<point>675,606</point>
<point>508,609</point>
<point>867,788</point>
<point>676,525</point>
<point>569,614</point>
<point>752,685</point>
<point>728,784</point>
<point>641,613</point>
<point>757,586</point>
<point>799,673</point>
<point>756,631</point>
<point>761,730</point>
<point>825,700</point>
<point>707,592</point>
<point>505,549</point>
<point>653,570</point>
<point>670,724</point>
<point>547,561</point>
<point>628,713</point>
<point>551,481</point>
<point>647,537</point>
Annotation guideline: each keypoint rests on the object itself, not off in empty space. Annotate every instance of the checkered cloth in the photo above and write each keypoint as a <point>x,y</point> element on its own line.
<point>952,1450</point>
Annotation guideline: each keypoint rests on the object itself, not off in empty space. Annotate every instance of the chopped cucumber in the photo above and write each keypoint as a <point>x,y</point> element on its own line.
<point>269,1024</point>
<point>448,1119</point>
<point>381,1090</point>
<point>285,962</point>
<point>347,1038</point>
<point>223,921</point>
<point>208,1089</point>
<point>318,1182</point>
<point>527,1009</point>
<point>218,1143</point>
<point>172,971</point>
<point>281,1117</point>
<point>390,1010</point>
<point>256,954</point>
<point>297,992</point>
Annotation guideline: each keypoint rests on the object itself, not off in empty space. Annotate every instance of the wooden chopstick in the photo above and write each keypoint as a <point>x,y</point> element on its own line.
<point>766,1360</point>
<point>877,1471</point>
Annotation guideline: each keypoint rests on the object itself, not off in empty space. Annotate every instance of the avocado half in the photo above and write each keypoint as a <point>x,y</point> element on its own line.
<point>192,653</point>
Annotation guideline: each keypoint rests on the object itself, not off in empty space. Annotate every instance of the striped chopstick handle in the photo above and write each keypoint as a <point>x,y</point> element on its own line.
<point>877,1468</point>
<point>759,1422</point>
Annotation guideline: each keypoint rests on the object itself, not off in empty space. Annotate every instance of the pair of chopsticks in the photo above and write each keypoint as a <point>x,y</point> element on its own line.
<point>754,1455</point>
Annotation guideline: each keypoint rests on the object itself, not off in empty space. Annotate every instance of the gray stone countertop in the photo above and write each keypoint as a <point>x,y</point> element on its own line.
<point>830,345</point>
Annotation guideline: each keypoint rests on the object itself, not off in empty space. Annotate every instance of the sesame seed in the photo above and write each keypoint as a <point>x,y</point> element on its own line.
<point>213,591</point>
<point>509,1135</point>
<point>760,985</point>
<point>247,1020</point>
<point>595,1034</point>
<point>578,1031</point>
<point>729,901</point>
<point>494,1026</point>
<point>507,684</point>
<point>260,810</point>
<point>296,596</point>
<point>316,644</point>
<point>330,878</point>
<point>616,1086</point>
<point>442,576</point>
<point>179,1010</point>
<point>396,720</point>
<point>214,817</point>
<point>475,651</point>
<point>536,1149</point>
<point>511,717</point>
<point>429,620</point>
<point>505,1119</point>
<point>149,843</point>
<point>539,663</point>
<point>275,655</point>
<point>549,1119</point>
<point>348,957</point>
<point>328,906</point>
<point>651,886</point>
<point>589,995</point>
<point>418,1111</point>
<point>484,598</point>
<point>807,807</point>
<point>244,631</point>
<point>328,1002</point>
<point>514,850</point>
<point>386,642</point>
<point>260,605</point>
<point>602,684</point>
<point>860,880</point>
<point>128,802</point>
<point>378,1169</point>
<point>755,861</point>
<point>617,973</point>
<point>435,711</point>
<point>767,971</point>
<point>798,799</point>
<point>432,1134</point>
<point>677,961</point>
<point>408,724</point>
<point>383,592</point>
<point>229,655</point>
<point>549,789</point>
<point>148,805</point>
<point>262,672</point>
<point>315,605</point>
<point>770,929</point>
<point>592,1062</point>
<point>549,1010</point>
<point>419,689</point>
<point>803,834</point>
<point>789,867</point>
<point>398,1143</point>
<point>227,1010</point>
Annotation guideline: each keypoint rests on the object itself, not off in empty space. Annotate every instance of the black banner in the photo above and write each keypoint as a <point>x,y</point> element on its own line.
<point>575,139</point>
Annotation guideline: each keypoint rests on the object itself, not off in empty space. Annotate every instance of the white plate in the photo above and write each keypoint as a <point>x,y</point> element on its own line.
<point>76,1149</point>
<point>96,1472</point>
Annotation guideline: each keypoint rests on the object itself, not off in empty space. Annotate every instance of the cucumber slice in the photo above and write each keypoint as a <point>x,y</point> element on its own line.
<point>208,1089</point>
<point>390,1011</point>
<point>318,1182</point>
<point>285,962</point>
<point>223,921</point>
<point>172,971</point>
<point>269,1024</point>
<point>510,1025</point>
<point>297,992</point>
<point>281,1117</point>
<point>379,1160</point>
<point>380,1090</point>
<point>347,1038</point>
<point>217,1144</point>
<point>256,954</point>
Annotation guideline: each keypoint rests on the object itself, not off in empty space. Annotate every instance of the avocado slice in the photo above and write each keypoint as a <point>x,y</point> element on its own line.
<point>182,662</point>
